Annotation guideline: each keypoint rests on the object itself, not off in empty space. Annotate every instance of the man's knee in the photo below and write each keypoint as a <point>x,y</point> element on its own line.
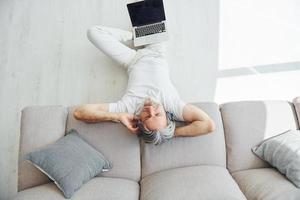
<point>93,31</point>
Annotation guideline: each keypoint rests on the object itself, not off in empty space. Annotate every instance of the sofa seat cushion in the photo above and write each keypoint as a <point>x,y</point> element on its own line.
<point>197,182</point>
<point>97,188</point>
<point>266,184</point>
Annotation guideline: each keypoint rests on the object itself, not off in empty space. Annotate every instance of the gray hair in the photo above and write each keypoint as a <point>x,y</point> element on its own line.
<point>160,136</point>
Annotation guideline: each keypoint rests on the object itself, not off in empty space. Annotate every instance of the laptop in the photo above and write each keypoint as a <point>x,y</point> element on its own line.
<point>148,22</point>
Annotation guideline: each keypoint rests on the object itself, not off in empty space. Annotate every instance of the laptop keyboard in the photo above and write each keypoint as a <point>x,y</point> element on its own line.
<point>150,29</point>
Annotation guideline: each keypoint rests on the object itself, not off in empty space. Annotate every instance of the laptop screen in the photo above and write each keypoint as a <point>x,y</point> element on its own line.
<point>146,12</point>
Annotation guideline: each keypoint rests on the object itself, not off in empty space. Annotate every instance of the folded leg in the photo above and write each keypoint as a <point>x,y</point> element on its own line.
<point>109,41</point>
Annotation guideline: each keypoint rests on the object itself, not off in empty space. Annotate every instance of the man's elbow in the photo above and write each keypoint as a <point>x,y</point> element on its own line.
<point>207,127</point>
<point>211,126</point>
<point>78,113</point>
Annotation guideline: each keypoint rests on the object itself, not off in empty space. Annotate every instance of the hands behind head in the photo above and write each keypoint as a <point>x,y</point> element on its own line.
<point>129,121</point>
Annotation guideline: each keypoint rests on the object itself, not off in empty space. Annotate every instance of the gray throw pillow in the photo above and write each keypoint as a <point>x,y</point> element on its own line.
<point>70,162</point>
<point>282,152</point>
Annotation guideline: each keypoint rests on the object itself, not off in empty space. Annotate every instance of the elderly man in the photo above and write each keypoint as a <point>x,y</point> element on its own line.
<point>151,104</point>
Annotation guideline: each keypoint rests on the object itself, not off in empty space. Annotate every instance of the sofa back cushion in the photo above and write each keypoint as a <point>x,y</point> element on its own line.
<point>187,151</point>
<point>115,142</point>
<point>296,102</point>
<point>40,126</point>
<point>247,123</point>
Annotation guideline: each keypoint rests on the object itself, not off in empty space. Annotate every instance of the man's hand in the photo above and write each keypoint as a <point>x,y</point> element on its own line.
<point>129,121</point>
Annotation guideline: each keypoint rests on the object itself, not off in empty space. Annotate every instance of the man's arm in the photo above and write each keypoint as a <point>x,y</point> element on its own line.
<point>95,113</point>
<point>99,113</point>
<point>200,122</point>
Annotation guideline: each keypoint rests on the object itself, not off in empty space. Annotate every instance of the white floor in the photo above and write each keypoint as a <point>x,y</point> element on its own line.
<point>46,59</point>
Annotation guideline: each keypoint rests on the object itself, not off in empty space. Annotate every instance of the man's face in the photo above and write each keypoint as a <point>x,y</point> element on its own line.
<point>153,116</point>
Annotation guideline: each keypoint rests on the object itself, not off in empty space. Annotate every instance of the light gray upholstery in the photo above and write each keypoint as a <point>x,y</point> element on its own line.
<point>40,126</point>
<point>187,151</point>
<point>119,146</point>
<point>70,162</point>
<point>192,183</point>
<point>283,153</point>
<point>247,123</point>
<point>296,102</point>
<point>182,168</point>
<point>97,188</point>
<point>266,184</point>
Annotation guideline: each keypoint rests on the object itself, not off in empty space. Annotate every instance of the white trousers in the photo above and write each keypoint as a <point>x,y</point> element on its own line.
<point>111,42</point>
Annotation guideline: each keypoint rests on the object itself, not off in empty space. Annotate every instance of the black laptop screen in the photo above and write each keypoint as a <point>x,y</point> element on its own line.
<point>146,12</point>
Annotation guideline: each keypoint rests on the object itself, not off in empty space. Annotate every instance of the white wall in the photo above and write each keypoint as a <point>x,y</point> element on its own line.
<point>259,50</point>
<point>259,32</point>
<point>46,59</point>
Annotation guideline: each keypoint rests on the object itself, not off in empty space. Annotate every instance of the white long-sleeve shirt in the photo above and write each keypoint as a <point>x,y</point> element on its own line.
<point>147,70</point>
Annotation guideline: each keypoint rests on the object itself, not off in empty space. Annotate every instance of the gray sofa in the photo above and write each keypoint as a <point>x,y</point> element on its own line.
<point>217,166</point>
